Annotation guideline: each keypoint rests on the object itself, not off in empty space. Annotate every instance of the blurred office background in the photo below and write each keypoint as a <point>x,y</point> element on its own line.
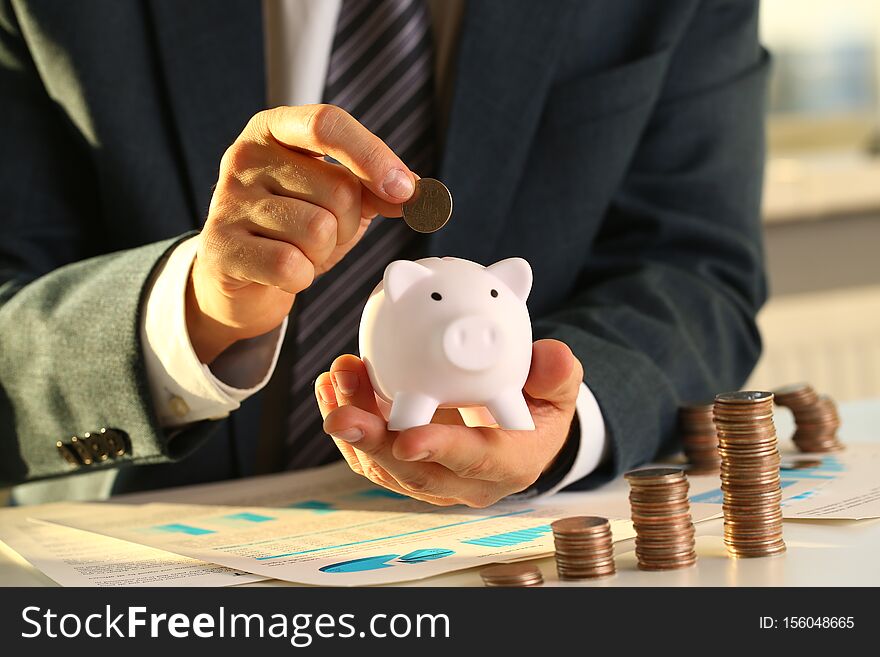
<point>822,197</point>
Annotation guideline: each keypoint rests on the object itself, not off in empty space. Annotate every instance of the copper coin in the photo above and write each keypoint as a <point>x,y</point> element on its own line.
<point>430,206</point>
<point>512,574</point>
<point>744,397</point>
<point>652,474</point>
<point>580,524</point>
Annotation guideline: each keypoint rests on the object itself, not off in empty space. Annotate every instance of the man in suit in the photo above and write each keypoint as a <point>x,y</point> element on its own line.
<point>617,146</point>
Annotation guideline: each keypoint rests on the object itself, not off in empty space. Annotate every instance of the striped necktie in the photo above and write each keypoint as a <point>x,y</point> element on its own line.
<point>381,72</point>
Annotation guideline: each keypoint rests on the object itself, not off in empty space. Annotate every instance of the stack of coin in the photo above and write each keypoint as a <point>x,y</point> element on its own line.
<point>512,574</point>
<point>815,417</point>
<point>583,547</point>
<point>698,438</point>
<point>749,474</point>
<point>661,516</point>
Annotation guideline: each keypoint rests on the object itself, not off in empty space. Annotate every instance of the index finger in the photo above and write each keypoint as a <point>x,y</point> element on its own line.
<point>330,130</point>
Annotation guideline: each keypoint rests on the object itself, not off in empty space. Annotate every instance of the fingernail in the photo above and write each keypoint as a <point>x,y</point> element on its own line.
<point>346,382</point>
<point>418,457</point>
<point>327,395</point>
<point>349,435</point>
<point>398,184</point>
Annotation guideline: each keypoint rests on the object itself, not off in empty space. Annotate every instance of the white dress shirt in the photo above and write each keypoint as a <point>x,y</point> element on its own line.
<point>299,38</point>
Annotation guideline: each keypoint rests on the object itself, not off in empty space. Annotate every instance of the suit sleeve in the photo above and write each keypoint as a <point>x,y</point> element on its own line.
<point>70,356</point>
<point>665,306</point>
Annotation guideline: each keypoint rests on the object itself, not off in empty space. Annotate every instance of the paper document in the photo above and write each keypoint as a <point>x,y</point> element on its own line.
<point>335,528</point>
<point>77,558</point>
<point>841,485</point>
<point>331,527</point>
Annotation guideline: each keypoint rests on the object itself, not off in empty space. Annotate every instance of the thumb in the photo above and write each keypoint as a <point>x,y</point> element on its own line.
<point>555,375</point>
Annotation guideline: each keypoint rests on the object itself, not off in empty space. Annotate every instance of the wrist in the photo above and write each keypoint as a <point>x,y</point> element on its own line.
<point>209,337</point>
<point>561,464</point>
<point>564,456</point>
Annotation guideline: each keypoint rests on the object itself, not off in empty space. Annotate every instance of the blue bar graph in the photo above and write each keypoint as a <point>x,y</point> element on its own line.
<point>409,533</point>
<point>828,468</point>
<point>249,517</point>
<point>510,538</point>
<point>318,506</point>
<point>805,474</point>
<point>382,493</point>
<point>177,528</point>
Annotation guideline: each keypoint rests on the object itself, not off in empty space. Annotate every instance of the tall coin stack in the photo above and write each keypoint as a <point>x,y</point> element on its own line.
<point>584,549</point>
<point>698,438</point>
<point>749,474</point>
<point>661,516</point>
<point>816,418</point>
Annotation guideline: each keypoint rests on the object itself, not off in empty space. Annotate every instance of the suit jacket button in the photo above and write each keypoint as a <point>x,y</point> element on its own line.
<point>116,440</point>
<point>97,445</point>
<point>67,453</point>
<point>82,451</point>
<point>178,406</point>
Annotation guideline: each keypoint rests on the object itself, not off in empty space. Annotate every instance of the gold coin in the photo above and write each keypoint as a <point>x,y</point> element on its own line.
<point>430,206</point>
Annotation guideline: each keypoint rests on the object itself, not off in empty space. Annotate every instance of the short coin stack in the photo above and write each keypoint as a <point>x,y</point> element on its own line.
<point>584,549</point>
<point>749,474</point>
<point>512,574</point>
<point>698,438</point>
<point>816,418</point>
<point>661,516</point>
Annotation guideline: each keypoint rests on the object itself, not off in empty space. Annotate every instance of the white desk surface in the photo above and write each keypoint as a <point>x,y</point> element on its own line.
<point>820,553</point>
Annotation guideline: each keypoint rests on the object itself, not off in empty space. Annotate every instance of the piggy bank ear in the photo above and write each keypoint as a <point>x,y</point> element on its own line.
<point>516,273</point>
<point>400,275</point>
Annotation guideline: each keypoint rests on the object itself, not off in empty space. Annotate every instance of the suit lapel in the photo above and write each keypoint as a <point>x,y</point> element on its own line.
<point>213,62</point>
<point>506,59</point>
<point>212,58</point>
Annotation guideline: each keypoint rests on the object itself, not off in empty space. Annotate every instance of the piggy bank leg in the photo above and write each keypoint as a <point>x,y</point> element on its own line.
<point>511,411</point>
<point>410,410</point>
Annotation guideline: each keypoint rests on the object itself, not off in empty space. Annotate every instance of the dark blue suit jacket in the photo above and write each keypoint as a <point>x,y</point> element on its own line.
<point>617,145</point>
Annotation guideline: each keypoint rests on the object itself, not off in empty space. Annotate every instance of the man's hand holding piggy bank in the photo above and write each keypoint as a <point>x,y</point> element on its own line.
<point>450,334</point>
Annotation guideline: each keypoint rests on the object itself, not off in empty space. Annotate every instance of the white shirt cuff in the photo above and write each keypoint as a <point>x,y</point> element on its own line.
<point>184,389</point>
<point>593,440</point>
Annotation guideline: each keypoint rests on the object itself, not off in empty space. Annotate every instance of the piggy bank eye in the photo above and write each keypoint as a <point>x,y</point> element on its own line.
<point>494,293</point>
<point>436,296</point>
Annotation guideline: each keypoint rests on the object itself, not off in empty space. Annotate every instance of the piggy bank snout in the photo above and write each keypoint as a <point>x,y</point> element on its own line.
<point>473,343</point>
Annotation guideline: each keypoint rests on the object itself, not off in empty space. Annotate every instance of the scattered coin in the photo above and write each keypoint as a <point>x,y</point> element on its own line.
<point>512,574</point>
<point>661,516</point>
<point>749,474</point>
<point>800,464</point>
<point>584,549</point>
<point>815,417</point>
<point>699,438</point>
<point>430,206</point>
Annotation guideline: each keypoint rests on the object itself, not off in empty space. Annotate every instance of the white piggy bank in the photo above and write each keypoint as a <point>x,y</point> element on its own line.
<point>447,332</point>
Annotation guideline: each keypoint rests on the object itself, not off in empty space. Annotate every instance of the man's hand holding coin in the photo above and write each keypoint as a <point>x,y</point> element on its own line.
<point>282,215</point>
